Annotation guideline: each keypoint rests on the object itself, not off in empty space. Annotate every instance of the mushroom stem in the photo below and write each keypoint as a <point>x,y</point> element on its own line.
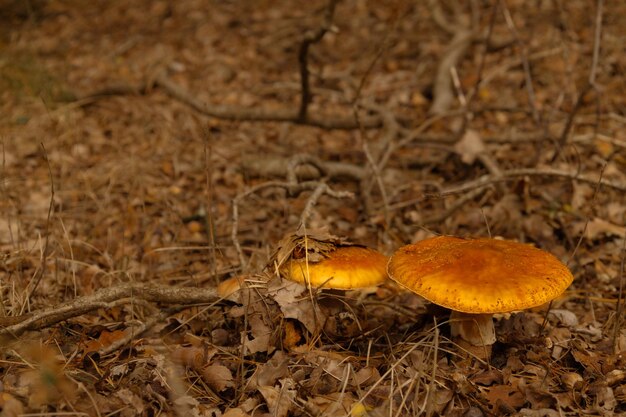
<point>476,329</point>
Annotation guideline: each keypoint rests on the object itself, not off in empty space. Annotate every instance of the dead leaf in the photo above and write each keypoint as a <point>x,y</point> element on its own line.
<point>470,146</point>
<point>271,371</point>
<point>105,339</point>
<point>504,395</point>
<point>295,303</point>
<point>10,406</point>
<point>131,399</point>
<point>235,412</point>
<point>565,317</point>
<point>279,401</point>
<point>314,244</point>
<point>217,377</point>
<point>599,227</point>
<point>365,376</point>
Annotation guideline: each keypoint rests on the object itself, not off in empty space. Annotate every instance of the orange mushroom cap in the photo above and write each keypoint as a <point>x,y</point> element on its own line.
<point>479,275</point>
<point>344,268</point>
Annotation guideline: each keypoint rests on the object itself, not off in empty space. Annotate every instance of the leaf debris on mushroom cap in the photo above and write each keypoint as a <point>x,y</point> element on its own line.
<point>479,275</point>
<point>346,267</point>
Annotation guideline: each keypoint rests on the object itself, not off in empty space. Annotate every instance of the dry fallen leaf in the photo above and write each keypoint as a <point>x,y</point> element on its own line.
<point>506,396</point>
<point>470,146</point>
<point>217,377</point>
<point>279,400</point>
<point>235,412</point>
<point>10,406</point>
<point>598,227</point>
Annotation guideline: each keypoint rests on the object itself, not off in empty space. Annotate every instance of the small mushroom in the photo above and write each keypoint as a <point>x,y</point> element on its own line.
<point>476,278</point>
<point>345,267</point>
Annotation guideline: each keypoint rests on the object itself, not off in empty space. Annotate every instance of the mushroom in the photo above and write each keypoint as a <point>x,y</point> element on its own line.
<point>476,278</point>
<point>345,267</point>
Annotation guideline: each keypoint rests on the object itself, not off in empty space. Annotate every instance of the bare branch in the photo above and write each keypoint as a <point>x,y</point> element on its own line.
<point>103,298</point>
<point>486,180</point>
<point>303,58</point>
<point>591,83</point>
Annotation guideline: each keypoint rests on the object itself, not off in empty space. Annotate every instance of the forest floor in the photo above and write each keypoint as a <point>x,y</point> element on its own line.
<point>152,150</point>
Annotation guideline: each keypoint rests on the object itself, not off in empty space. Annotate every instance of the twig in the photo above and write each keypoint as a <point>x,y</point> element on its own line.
<point>319,191</point>
<point>486,180</point>
<point>463,36</point>
<point>459,203</point>
<point>525,62</point>
<point>442,88</point>
<point>591,84</point>
<point>308,167</point>
<point>366,184</point>
<point>596,42</point>
<point>303,57</point>
<point>102,298</point>
<point>324,121</point>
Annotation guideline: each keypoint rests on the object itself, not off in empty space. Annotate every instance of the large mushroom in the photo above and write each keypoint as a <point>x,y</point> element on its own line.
<point>476,278</point>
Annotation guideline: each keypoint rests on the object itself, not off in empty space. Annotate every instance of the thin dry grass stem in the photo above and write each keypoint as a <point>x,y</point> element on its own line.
<point>411,382</point>
<point>72,261</point>
<point>309,39</point>
<point>342,392</point>
<point>41,271</point>
<point>377,175</point>
<point>391,369</point>
<point>619,308</point>
<point>430,409</point>
<point>209,193</point>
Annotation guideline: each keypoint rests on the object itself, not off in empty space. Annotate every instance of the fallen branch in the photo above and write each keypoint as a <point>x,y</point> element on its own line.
<point>226,112</point>
<point>462,38</point>
<point>106,297</point>
<point>305,167</point>
<point>303,58</point>
<point>486,180</point>
<point>324,121</point>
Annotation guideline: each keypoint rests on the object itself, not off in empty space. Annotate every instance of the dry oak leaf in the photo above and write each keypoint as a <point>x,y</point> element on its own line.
<point>218,377</point>
<point>506,395</point>
<point>105,339</point>
<point>295,303</point>
<point>279,400</point>
<point>271,371</point>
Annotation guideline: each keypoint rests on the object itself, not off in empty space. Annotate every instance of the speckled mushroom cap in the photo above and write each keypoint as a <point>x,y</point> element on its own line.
<point>344,268</point>
<point>479,275</point>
